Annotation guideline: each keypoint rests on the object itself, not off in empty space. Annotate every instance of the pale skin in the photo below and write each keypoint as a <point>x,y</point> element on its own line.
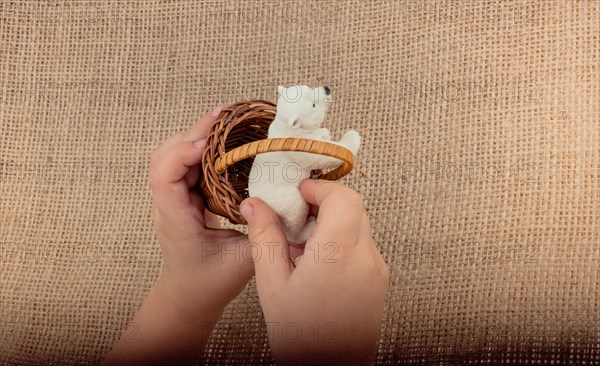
<point>333,294</point>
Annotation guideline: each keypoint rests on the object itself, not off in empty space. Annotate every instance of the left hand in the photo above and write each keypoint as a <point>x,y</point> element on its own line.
<point>205,267</point>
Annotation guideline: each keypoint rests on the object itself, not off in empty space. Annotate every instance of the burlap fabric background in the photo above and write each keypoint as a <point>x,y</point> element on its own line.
<point>480,167</point>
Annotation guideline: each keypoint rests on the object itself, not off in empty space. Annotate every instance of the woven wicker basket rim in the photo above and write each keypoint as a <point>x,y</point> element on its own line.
<point>239,134</point>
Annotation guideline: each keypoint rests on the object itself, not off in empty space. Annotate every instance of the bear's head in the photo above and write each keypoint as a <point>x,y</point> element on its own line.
<point>302,107</point>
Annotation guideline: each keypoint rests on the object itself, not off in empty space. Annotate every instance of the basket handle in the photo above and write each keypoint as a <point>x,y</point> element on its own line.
<point>290,144</point>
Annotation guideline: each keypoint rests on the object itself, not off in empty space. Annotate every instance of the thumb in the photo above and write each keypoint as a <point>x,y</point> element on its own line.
<point>272,263</point>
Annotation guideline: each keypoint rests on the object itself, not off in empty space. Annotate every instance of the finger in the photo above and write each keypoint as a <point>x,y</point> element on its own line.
<point>296,251</point>
<point>167,175</point>
<point>168,145</point>
<point>197,201</point>
<point>341,210</point>
<point>176,163</point>
<point>212,221</point>
<point>197,132</point>
<point>192,176</point>
<point>297,260</point>
<point>201,128</point>
<point>271,263</point>
<point>313,210</point>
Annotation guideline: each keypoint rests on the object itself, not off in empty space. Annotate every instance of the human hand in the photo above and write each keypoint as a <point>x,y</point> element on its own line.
<point>325,306</point>
<point>197,277</point>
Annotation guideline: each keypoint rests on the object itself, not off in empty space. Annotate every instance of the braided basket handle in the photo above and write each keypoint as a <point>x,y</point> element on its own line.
<point>290,144</point>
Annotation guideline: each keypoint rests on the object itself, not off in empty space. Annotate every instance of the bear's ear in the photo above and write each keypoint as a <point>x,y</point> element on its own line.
<point>280,89</point>
<point>294,122</point>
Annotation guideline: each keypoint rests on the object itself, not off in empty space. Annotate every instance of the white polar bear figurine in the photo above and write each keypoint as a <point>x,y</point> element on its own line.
<point>275,176</point>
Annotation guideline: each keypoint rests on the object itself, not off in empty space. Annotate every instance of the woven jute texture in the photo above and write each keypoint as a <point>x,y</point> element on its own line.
<point>480,166</point>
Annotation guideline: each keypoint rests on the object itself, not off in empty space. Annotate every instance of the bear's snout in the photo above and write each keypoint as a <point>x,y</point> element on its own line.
<point>327,90</point>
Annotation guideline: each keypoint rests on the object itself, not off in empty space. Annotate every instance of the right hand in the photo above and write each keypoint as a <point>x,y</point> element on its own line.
<point>325,306</point>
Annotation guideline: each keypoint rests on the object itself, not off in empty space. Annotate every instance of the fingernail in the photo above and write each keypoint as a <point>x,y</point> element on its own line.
<point>216,111</point>
<point>246,210</point>
<point>199,144</point>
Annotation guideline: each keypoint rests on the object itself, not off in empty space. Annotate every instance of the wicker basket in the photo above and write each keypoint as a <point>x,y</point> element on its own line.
<point>237,136</point>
